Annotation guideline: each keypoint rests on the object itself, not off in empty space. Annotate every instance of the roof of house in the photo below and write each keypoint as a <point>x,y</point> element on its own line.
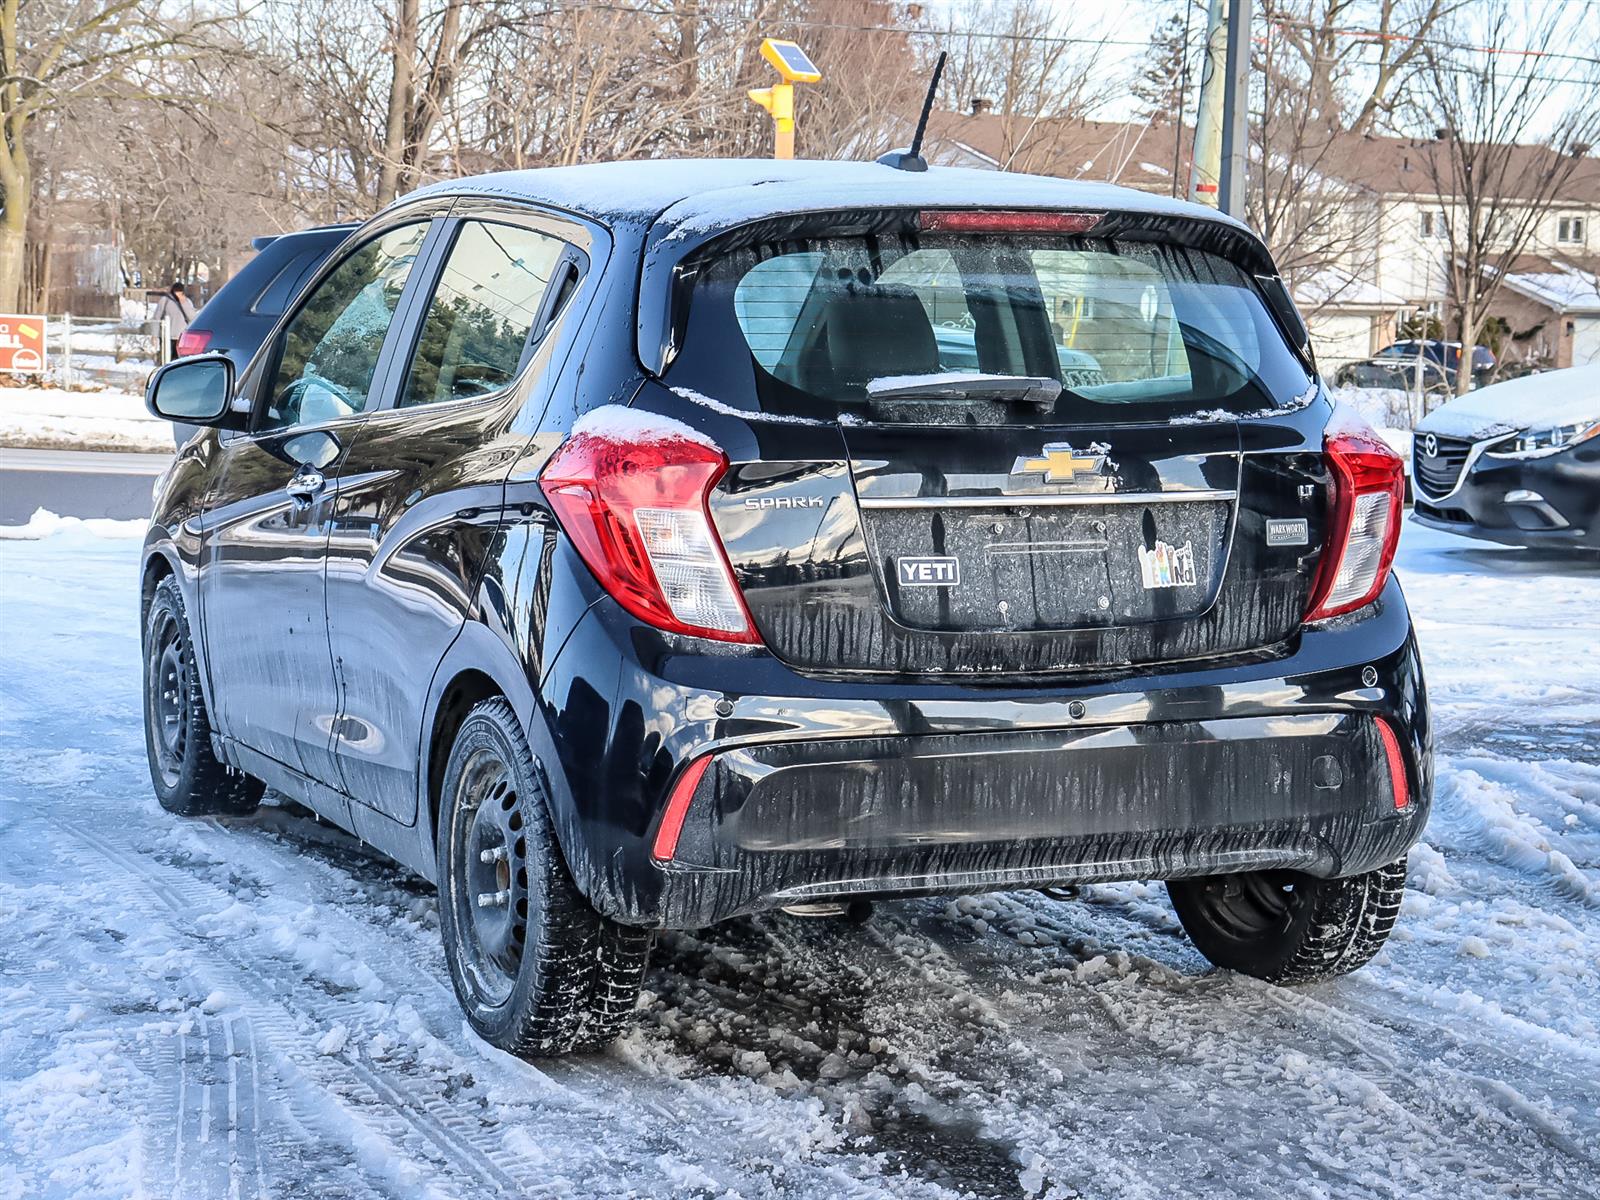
<point>1565,284</point>
<point>1142,154</point>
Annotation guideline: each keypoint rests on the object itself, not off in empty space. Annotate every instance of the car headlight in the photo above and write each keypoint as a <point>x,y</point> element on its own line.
<point>1551,438</point>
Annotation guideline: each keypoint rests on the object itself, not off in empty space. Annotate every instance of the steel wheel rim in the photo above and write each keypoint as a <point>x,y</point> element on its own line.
<point>1252,904</point>
<point>167,694</point>
<point>488,873</point>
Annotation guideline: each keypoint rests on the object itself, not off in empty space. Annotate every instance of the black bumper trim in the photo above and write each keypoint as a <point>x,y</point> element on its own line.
<point>781,823</point>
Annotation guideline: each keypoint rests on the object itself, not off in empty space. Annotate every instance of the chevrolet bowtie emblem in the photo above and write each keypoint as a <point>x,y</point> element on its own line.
<point>1060,463</point>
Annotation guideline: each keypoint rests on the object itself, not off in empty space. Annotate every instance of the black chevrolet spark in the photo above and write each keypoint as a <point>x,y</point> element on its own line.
<point>635,546</point>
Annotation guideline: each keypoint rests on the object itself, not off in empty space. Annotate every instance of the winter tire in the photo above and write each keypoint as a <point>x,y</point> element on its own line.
<point>1286,927</point>
<point>188,777</point>
<point>536,969</point>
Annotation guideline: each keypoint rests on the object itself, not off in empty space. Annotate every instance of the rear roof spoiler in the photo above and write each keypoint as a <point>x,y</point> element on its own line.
<point>262,241</point>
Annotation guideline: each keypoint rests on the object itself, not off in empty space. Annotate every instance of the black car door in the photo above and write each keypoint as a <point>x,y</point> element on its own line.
<point>420,491</point>
<point>266,524</point>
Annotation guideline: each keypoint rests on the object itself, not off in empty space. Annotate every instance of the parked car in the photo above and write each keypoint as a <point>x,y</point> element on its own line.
<point>1516,462</point>
<point>239,317</point>
<point>1395,374</point>
<point>613,546</point>
<point>1447,355</point>
<point>244,310</point>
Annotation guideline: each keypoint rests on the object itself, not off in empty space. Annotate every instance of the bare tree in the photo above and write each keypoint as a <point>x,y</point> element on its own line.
<point>1511,138</point>
<point>1317,96</point>
<point>1034,80</point>
<point>55,54</point>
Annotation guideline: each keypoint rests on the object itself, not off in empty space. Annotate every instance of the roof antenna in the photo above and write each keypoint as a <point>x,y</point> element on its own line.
<point>912,160</point>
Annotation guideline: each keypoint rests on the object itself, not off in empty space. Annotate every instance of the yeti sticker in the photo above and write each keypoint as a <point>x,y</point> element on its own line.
<point>929,571</point>
<point>1167,566</point>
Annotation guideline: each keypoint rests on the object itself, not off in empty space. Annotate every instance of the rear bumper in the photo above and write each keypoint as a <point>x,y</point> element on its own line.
<point>821,789</point>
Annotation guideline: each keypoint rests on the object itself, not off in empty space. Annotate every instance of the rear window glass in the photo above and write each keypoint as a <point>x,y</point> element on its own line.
<point>808,326</point>
<point>275,297</point>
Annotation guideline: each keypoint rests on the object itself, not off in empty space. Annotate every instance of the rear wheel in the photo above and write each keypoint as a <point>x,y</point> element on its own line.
<point>188,777</point>
<point>1286,927</point>
<point>536,969</point>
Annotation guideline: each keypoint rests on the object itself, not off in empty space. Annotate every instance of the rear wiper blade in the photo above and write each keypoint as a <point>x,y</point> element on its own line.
<point>1040,390</point>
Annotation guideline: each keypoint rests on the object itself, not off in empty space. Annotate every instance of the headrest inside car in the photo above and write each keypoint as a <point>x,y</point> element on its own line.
<point>878,331</point>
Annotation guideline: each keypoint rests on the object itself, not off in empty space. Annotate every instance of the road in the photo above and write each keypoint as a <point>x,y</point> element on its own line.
<point>76,483</point>
<point>259,1007</point>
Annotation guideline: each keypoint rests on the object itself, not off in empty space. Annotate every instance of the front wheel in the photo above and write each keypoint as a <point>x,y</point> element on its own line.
<point>188,777</point>
<point>1286,927</point>
<point>537,970</point>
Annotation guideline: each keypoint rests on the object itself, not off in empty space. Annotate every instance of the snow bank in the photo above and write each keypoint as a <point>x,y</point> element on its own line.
<point>45,523</point>
<point>57,419</point>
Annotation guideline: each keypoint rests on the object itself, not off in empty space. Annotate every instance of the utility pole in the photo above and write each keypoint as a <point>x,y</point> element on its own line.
<point>1205,166</point>
<point>1235,110</point>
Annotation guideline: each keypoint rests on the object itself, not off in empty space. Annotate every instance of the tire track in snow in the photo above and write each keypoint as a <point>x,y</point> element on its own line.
<point>401,1116</point>
<point>464,1139</point>
<point>1389,1074</point>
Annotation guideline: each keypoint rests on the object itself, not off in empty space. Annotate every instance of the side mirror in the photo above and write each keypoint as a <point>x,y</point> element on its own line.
<point>196,391</point>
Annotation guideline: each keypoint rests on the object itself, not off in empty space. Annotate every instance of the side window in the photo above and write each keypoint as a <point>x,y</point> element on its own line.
<point>331,345</point>
<point>490,293</point>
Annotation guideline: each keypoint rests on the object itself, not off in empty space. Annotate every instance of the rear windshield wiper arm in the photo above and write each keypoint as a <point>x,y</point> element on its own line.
<point>1039,390</point>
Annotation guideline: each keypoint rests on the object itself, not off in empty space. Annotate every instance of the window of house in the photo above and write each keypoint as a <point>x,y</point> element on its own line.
<point>1432,225</point>
<point>1569,229</point>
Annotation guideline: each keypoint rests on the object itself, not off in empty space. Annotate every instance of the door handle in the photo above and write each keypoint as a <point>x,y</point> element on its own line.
<point>305,485</point>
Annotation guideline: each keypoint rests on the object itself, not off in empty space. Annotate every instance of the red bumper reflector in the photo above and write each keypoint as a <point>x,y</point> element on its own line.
<point>1005,221</point>
<point>666,843</point>
<point>1397,764</point>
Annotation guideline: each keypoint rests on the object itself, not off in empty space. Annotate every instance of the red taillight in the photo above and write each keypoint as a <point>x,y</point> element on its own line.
<point>666,842</point>
<point>1367,489</point>
<point>193,341</point>
<point>1397,764</point>
<point>630,491</point>
<point>1005,221</point>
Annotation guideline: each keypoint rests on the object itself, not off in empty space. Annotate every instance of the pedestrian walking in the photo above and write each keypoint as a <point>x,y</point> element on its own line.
<point>178,310</point>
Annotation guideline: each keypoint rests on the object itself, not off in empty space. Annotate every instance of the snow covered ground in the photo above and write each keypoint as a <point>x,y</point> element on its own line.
<point>58,419</point>
<point>258,1008</point>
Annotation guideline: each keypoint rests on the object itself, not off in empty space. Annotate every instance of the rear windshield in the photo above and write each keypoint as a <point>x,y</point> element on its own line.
<point>274,298</point>
<point>1130,329</point>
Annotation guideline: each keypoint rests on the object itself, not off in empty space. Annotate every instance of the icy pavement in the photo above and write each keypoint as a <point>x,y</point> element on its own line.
<point>259,1008</point>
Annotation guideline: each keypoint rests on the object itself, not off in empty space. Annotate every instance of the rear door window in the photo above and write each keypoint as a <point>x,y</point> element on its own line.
<point>1124,326</point>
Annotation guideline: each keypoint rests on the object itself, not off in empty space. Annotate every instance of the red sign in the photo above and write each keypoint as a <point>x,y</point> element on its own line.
<point>22,344</point>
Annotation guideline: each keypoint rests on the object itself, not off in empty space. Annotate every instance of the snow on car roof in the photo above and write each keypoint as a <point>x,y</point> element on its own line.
<point>702,195</point>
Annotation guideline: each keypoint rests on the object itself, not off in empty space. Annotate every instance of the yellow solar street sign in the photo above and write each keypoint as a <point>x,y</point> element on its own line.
<point>791,61</point>
<point>778,100</point>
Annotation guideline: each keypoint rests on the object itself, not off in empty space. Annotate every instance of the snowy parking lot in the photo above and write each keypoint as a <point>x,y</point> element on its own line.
<point>259,1008</point>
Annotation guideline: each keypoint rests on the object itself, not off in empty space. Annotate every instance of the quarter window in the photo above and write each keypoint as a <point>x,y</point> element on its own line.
<point>331,345</point>
<point>481,319</point>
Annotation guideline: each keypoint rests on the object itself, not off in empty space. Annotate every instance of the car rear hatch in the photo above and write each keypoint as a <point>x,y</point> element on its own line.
<point>1005,449</point>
